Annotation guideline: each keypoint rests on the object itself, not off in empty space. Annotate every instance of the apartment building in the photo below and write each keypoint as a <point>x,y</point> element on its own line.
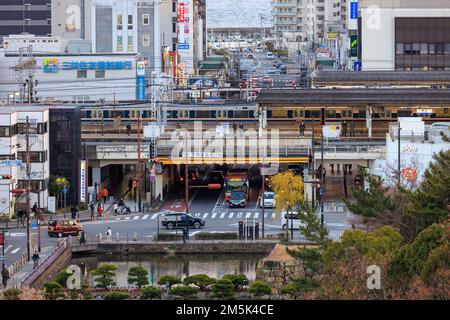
<point>31,16</point>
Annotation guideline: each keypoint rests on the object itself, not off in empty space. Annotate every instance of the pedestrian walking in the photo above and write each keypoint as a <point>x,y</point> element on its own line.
<point>99,210</point>
<point>82,237</point>
<point>92,207</point>
<point>108,234</point>
<point>241,126</point>
<point>302,129</point>
<point>234,126</point>
<point>130,183</point>
<point>74,212</point>
<point>5,276</point>
<point>115,208</point>
<point>34,209</point>
<point>185,234</point>
<point>35,259</point>
<point>104,194</point>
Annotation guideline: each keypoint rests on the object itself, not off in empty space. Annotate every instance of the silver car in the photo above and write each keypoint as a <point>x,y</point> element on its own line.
<point>269,200</point>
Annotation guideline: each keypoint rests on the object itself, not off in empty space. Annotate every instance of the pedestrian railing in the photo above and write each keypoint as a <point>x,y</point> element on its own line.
<point>46,263</point>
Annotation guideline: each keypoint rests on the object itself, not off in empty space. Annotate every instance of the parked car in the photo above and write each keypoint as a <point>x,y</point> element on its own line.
<point>237,199</point>
<point>176,220</point>
<point>63,228</point>
<point>269,200</point>
<point>295,223</point>
<point>259,50</point>
<point>269,55</point>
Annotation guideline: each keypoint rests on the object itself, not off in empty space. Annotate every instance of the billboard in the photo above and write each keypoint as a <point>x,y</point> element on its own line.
<point>140,80</point>
<point>181,12</point>
<point>353,15</point>
<point>353,45</point>
<point>83,181</point>
<point>50,65</point>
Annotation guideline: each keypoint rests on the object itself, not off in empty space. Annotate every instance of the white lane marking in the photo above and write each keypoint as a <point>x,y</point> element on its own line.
<point>239,215</point>
<point>222,215</point>
<point>127,218</point>
<point>247,216</point>
<point>231,215</point>
<point>205,215</point>
<point>193,233</point>
<point>8,247</point>
<point>214,215</point>
<point>154,216</point>
<point>265,215</point>
<point>256,215</point>
<point>135,218</point>
<point>15,250</point>
<point>117,218</point>
<point>145,217</point>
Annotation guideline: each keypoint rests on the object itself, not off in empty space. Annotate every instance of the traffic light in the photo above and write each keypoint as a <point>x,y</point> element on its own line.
<point>5,177</point>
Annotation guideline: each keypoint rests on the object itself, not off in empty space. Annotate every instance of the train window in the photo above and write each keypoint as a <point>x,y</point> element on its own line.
<point>299,113</point>
<point>135,113</point>
<point>183,114</point>
<point>203,114</point>
<point>221,114</point>
<point>240,114</point>
<point>347,113</point>
<point>330,113</point>
<point>97,114</point>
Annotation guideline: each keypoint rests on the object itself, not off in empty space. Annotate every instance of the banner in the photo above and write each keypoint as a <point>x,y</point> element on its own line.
<point>140,80</point>
<point>83,181</point>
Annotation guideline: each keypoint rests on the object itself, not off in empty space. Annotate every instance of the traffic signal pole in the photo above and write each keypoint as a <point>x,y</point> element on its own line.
<point>28,172</point>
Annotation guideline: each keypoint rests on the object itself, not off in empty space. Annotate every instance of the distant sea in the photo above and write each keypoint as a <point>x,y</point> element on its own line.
<point>238,13</point>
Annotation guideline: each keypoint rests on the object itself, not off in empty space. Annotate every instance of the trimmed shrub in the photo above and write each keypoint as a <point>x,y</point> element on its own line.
<point>169,280</point>
<point>259,288</point>
<point>12,294</point>
<point>62,277</point>
<point>200,280</point>
<point>184,291</point>
<point>238,280</point>
<point>53,290</point>
<point>216,236</point>
<point>117,295</point>
<point>150,293</point>
<point>168,237</point>
<point>222,289</point>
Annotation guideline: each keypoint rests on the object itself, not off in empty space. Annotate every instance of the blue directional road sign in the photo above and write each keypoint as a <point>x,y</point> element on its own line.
<point>11,162</point>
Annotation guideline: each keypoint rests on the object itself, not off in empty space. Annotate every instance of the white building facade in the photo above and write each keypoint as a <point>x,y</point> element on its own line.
<point>13,147</point>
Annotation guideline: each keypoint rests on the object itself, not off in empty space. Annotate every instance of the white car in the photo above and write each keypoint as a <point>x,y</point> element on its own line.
<point>269,200</point>
<point>295,222</point>
<point>269,55</point>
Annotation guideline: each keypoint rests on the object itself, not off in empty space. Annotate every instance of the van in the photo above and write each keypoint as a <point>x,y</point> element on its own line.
<point>296,223</point>
<point>63,228</point>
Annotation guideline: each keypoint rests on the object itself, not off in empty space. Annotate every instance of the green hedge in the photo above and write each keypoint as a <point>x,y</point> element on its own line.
<point>169,237</point>
<point>216,236</point>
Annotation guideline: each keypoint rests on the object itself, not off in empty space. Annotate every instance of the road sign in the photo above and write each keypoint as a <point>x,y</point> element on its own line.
<point>11,162</point>
<point>34,225</point>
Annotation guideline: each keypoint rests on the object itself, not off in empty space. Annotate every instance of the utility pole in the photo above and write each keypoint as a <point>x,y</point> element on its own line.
<point>139,164</point>
<point>322,169</point>
<point>313,165</point>
<point>28,173</point>
<point>186,182</point>
<point>399,155</point>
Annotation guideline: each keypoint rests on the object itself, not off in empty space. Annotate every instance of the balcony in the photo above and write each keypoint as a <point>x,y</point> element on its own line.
<point>292,4</point>
<point>283,13</point>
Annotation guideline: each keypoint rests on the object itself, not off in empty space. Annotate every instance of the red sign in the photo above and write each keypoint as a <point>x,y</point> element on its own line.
<point>2,241</point>
<point>181,12</point>
<point>409,173</point>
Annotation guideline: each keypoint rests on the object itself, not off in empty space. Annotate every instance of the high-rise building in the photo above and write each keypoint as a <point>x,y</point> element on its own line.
<point>404,35</point>
<point>31,16</point>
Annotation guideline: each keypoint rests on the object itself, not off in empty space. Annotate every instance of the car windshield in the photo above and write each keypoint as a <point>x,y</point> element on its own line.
<point>237,195</point>
<point>268,196</point>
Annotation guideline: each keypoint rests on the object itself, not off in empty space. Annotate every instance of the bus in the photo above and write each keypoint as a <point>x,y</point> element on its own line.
<point>236,182</point>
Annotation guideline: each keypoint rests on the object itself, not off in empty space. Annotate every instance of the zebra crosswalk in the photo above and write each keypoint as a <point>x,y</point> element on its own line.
<point>205,215</point>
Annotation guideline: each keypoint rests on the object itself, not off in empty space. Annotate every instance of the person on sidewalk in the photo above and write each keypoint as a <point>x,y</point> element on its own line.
<point>74,212</point>
<point>185,234</point>
<point>104,195</point>
<point>5,276</point>
<point>92,207</point>
<point>82,238</point>
<point>108,234</point>
<point>99,210</point>
<point>115,208</point>
<point>35,259</point>
<point>302,129</point>
<point>34,209</point>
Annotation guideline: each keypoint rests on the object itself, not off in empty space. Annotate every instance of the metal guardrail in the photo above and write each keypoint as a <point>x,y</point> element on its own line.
<point>54,254</point>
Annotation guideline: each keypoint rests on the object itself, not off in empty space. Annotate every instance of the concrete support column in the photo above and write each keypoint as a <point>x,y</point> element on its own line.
<point>96,176</point>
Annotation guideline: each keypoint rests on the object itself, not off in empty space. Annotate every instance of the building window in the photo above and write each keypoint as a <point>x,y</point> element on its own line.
<point>119,44</point>
<point>35,156</point>
<point>146,40</point>
<point>130,44</point>
<point>431,48</point>
<point>447,48</point>
<point>4,131</point>
<point>99,74</point>
<point>400,48</point>
<point>174,27</point>
<point>424,48</point>
<point>146,19</point>
<point>174,6</point>
<point>130,22</point>
<point>119,22</point>
<point>439,48</point>
<point>81,74</point>
<point>36,185</point>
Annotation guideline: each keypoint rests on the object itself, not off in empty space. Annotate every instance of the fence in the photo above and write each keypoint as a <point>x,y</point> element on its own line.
<point>46,263</point>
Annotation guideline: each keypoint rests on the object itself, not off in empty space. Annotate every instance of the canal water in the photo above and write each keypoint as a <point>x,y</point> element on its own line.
<point>179,265</point>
